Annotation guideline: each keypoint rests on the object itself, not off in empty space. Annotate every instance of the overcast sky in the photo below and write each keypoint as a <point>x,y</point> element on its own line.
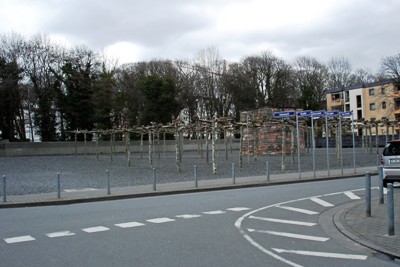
<point>363,31</point>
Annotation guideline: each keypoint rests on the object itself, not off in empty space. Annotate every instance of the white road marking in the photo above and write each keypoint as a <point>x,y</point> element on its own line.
<point>304,211</point>
<point>323,254</point>
<point>60,234</point>
<point>238,225</point>
<point>160,220</point>
<point>214,212</point>
<point>95,229</point>
<point>19,239</point>
<point>238,209</point>
<point>351,195</point>
<point>283,221</point>
<point>129,224</point>
<point>291,235</point>
<point>80,190</point>
<point>321,202</point>
<point>188,216</point>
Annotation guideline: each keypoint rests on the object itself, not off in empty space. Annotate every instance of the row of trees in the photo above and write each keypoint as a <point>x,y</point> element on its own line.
<point>53,90</point>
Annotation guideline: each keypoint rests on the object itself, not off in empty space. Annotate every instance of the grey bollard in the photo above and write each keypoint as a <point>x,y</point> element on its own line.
<point>368,194</point>
<point>4,189</point>
<point>108,182</point>
<point>380,183</point>
<point>267,170</point>
<point>58,186</point>
<point>196,184</point>
<point>154,180</point>
<point>233,173</point>
<point>390,205</point>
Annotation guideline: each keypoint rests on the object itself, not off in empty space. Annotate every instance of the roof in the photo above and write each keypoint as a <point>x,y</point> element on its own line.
<point>358,86</point>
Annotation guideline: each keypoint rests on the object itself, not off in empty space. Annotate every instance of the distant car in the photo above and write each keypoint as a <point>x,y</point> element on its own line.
<point>390,160</point>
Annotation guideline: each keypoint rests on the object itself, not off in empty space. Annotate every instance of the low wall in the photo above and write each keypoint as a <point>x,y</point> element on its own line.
<point>102,147</point>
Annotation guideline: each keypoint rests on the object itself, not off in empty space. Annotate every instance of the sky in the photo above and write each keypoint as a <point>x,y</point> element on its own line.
<point>362,31</point>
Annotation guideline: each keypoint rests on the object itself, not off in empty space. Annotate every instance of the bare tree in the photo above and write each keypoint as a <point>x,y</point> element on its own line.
<point>390,67</point>
<point>42,58</point>
<point>312,78</point>
<point>340,73</point>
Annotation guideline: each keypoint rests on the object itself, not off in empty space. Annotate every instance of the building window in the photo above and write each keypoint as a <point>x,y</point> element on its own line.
<point>383,91</point>
<point>384,105</point>
<point>372,91</point>
<point>372,106</point>
<point>359,103</point>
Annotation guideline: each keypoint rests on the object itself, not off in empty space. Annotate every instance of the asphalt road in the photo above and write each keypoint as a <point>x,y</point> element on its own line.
<point>270,226</point>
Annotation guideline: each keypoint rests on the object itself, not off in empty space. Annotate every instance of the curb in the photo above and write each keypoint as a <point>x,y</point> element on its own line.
<point>339,221</point>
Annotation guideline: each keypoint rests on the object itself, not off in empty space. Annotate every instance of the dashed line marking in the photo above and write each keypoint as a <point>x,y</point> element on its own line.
<point>238,209</point>
<point>214,212</point>
<point>321,202</point>
<point>188,216</point>
<point>291,235</point>
<point>95,229</point>
<point>351,195</point>
<point>129,224</point>
<point>323,254</point>
<point>304,211</point>
<point>19,239</point>
<point>283,221</point>
<point>160,220</point>
<point>60,234</point>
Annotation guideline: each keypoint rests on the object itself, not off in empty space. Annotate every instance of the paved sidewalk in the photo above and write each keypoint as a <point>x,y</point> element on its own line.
<point>352,221</point>
<point>372,231</point>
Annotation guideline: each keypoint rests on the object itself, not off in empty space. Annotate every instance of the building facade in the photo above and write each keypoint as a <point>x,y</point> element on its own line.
<point>379,101</point>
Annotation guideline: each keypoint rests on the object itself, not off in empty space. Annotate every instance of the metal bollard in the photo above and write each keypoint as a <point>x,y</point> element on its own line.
<point>267,170</point>
<point>195,176</point>
<point>233,173</point>
<point>4,189</point>
<point>58,186</point>
<point>368,194</point>
<point>154,180</point>
<point>390,205</point>
<point>380,183</point>
<point>108,182</point>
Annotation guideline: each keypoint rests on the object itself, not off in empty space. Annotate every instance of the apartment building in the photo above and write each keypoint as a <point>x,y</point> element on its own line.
<point>369,102</point>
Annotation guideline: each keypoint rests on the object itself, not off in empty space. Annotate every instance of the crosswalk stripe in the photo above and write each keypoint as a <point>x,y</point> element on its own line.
<point>351,195</point>
<point>60,234</point>
<point>308,212</point>
<point>291,235</point>
<point>95,229</point>
<point>238,209</point>
<point>160,220</point>
<point>129,224</point>
<point>19,239</point>
<point>321,202</point>
<point>214,212</point>
<point>283,221</point>
<point>323,254</point>
<point>188,216</point>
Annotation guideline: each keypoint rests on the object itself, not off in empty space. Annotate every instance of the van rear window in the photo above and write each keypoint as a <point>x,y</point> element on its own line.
<point>392,149</point>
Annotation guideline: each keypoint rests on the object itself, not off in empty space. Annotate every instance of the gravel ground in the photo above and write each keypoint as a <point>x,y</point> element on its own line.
<point>37,174</point>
